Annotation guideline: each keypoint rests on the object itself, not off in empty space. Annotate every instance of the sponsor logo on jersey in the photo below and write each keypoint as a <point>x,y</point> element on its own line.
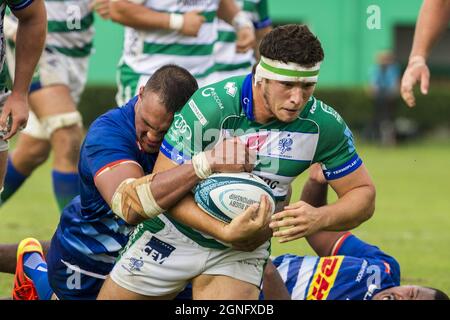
<point>211,92</point>
<point>231,88</point>
<point>324,278</point>
<point>181,125</point>
<point>197,112</point>
<point>158,250</point>
<point>330,111</point>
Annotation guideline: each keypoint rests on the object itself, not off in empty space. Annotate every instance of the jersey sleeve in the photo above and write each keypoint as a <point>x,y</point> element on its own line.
<point>261,17</point>
<point>195,128</point>
<point>336,150</point>
<point>350,245</point>
<point>18,4</point>
<point>106,146</point>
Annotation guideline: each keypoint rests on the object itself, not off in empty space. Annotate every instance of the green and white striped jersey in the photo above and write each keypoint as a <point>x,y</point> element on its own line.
<point>146,51</point>
<point>70,27</point>
<point>13,5</point>
<point>285,150</point>
<point>228,62</point>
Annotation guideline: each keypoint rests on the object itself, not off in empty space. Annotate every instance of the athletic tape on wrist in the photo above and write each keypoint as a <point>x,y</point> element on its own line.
<point>135,196</point>
<point>201,165</point>
<point>242,20</point>
<point>176,21</point>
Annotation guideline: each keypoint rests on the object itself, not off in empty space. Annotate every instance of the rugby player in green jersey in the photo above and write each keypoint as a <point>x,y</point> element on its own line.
<point>274,112</point>
<point>30,42</point>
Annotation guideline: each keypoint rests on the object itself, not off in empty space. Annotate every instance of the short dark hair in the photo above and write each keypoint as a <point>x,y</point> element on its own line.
<point>292,43</point>
<point>438,294</point>
<point>174,86</point>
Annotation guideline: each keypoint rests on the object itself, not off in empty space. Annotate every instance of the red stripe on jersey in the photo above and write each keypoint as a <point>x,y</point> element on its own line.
<point>113,164</point>
<point>339,243</point>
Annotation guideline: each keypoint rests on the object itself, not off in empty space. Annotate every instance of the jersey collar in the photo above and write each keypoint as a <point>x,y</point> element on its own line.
<point>247,98</point>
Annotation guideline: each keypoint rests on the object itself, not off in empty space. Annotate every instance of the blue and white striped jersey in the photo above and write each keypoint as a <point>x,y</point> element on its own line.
<point>355,271</point>
<point>89,233</point>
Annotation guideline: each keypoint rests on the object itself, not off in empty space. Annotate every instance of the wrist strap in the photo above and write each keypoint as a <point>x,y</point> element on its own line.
<point>201,165</point>
<point>176,21</point>
<point>242,20</point>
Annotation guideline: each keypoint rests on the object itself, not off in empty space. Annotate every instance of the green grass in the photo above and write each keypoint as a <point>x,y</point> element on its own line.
<point>411,222</point>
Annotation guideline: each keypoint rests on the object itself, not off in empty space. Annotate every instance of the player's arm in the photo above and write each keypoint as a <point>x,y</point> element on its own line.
<point>230,12</point>
<point>355,204</point>
<point>273,285</point>
<point>165,188</point>
<point>30,38</point>
<point>135,197</point>
<point>135,15</point>
<point>245,232</point>
<point>433,19</point>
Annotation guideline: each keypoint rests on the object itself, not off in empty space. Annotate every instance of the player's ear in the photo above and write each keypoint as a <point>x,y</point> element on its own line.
<point>141,92</point>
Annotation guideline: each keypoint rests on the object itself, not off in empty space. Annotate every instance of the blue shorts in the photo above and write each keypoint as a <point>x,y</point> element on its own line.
<point>68,281</point>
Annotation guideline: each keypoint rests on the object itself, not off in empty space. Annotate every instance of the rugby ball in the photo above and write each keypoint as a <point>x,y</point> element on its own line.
<point>226,195</point>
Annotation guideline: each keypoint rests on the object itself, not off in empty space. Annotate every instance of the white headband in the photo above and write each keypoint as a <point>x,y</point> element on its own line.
<point>277,70</point>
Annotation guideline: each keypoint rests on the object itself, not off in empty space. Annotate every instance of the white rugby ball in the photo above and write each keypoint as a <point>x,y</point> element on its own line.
<point>226,195</point>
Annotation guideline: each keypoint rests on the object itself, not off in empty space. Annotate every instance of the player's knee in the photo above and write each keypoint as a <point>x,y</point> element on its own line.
<point>66,144</point>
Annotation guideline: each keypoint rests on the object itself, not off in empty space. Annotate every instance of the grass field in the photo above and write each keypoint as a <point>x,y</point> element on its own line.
<point>411,222</point>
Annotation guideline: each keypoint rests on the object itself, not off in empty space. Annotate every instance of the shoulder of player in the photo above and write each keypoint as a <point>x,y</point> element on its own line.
<point>113,123</point>
<point>325,116</point>
<point>218,99</point>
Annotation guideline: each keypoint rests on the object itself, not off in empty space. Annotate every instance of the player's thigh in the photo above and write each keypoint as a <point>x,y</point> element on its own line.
<point>51,100</point>
<point>112,291</point>
<point>209,287</point>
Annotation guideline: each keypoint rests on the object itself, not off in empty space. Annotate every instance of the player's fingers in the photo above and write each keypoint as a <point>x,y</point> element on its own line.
<point>15,125</point>
<point>262,211</point>
<point>291,238</point>
<point>291,232</point>
<point>295,205</point>
<point>424,82</point>
<point>287,222</point>
<point>407,93</point>
<point>4,116</point>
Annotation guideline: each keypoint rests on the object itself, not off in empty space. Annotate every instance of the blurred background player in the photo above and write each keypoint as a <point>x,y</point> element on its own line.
<point>384,84</point>
<point>55,123</point>
<point>158,32</point>
<point>30,41</point>
<point>229,61</point>
<point>433,19</point>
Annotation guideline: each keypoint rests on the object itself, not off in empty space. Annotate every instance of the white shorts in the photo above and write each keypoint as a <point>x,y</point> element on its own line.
<point>162,263</point>
<point>53,68</point>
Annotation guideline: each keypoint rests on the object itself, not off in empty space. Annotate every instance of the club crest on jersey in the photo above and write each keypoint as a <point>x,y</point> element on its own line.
<point>231,88</point>
<point>135,264</point>
<point>284,145</point>
<point>158,250</point>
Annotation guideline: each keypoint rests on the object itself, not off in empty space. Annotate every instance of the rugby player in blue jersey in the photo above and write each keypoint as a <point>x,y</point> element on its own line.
<point>346,267</point>
<point>118,191</point>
